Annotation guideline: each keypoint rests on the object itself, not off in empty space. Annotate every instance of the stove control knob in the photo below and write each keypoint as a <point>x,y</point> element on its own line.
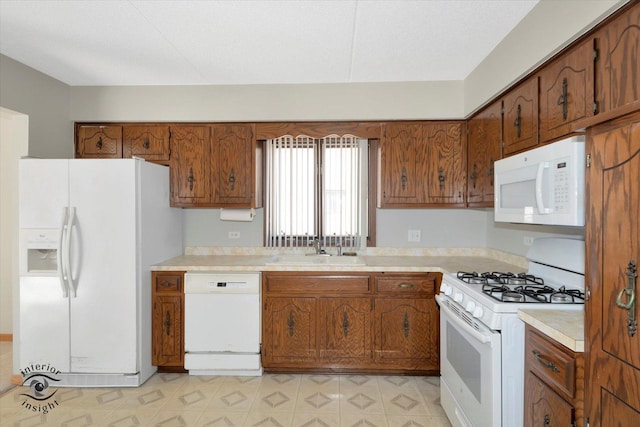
<point>471,306</point>
<point>458,297</point>
<point>478,312</point>
<point>446,289</point>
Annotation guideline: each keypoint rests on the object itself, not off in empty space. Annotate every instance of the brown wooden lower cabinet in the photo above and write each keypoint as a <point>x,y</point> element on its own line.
<point>554,382</point>
<point>167,324</point>
<point>350,322</point>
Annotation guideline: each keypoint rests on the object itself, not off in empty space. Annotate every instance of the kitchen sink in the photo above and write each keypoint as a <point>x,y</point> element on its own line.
<point>316,260</point>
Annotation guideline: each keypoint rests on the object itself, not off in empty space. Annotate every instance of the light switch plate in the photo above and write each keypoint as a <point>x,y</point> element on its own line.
<point>414,236</point>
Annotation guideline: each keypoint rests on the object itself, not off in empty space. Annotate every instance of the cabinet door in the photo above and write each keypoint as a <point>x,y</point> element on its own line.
<point>99,142</point>
<point>543,407</point>
<point>344,331</point>
<point>566,91</point>
<point>399,164</point>
<point>483,149</point>
<point>233,179</point>
<point>167,325</point>
<point>520,119</point>
<point>613,254</point>
<point>289,331</point>
<point>445,159</point>
<point>407,333</point>
<point>190,166</point>
<point>149,142</point>
<point>618,62</point>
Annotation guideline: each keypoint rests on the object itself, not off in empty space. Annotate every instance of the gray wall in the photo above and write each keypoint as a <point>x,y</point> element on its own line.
<point>45,100</point>
<point>511,237</point>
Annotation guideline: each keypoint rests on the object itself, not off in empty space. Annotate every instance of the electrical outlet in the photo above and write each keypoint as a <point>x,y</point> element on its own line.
<point>234,235</point>
<point>528,240</point>
<point>414,236</point>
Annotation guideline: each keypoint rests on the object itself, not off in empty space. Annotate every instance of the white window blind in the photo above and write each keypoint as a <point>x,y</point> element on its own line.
<point>316,188</point>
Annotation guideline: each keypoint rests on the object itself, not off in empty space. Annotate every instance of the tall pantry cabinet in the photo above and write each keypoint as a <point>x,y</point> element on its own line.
<point>613,253</point>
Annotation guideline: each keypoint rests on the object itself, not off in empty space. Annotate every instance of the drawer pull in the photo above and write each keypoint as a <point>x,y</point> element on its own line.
<point>544,362</point>
<point>407,285</point>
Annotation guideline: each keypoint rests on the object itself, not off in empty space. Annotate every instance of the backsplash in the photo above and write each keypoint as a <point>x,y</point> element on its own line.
<point>469,252</point>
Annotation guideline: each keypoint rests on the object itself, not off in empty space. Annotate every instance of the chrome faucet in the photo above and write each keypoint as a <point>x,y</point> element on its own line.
<point>317,246</point>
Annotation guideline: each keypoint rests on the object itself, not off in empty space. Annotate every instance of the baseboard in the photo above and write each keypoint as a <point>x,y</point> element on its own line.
<point>6,337</point>
<point>17,379</point>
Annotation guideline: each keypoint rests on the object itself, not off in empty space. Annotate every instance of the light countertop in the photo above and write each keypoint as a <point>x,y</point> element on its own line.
<point>566,327</point>
<point>375,259</point>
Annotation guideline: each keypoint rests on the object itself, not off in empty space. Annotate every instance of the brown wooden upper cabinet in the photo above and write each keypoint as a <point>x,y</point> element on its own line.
<point>236,166</point>
<point>151,142</point>
<point>617,63</point>
<point>98,142</point>
<point>422,164</point>
<point>566,91</point>
<point>520,118</point>
<point>215,166</point>
<point>484,148</point>
<point>190,167</point>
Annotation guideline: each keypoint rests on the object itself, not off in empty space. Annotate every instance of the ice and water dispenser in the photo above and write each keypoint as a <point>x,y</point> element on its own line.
<point>41,251</point>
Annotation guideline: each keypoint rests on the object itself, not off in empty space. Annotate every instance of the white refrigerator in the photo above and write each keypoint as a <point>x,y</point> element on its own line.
<point>89,231</point>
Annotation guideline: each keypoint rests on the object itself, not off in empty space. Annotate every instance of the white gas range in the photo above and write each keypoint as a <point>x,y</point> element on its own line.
<point>482,339</point>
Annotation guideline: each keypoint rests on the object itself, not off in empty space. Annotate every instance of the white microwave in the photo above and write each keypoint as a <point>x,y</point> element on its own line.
<point>542,186</point>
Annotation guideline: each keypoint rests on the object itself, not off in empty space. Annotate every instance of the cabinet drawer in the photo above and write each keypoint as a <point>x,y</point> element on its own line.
<point>554,364</point>
<point>168,283</point>
<point>310,284</point>
<point>405,284</point>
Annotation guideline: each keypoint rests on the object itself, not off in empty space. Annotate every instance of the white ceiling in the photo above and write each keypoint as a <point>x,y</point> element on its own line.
<point>144,42</point>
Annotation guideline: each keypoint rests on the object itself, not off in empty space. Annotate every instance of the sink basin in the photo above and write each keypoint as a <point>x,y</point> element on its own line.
<point>317,260</point>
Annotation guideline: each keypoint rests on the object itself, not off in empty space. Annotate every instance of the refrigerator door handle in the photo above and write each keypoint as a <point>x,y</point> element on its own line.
<point>61,258</point>
<point>67,251</point>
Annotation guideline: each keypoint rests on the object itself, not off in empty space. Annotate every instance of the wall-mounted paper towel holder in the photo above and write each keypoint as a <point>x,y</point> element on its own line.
<point>241,215</point>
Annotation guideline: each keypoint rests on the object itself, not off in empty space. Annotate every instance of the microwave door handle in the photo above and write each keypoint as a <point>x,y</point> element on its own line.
<point>539,199</point>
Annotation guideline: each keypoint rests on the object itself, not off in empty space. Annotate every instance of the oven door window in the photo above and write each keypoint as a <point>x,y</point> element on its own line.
<point>470,368</point>
<point>466,360</point>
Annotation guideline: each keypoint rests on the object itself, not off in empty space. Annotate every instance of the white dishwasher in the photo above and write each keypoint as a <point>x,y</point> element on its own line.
<point>222,323</point>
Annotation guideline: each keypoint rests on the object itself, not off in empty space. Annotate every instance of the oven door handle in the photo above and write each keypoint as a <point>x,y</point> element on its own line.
<point>479,336</point>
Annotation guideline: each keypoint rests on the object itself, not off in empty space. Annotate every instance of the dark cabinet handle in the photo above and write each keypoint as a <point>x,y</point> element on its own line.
<point>167,323</point>
<point>441,178</point>
<point>146,144</point>
<point>630,293</point>
<point>544,362</point>
<point>403,178</point>
<point>291,324</point>
<point>232,179</point>
<point>474,175</point>
<point>518,122</point>
<point>547,420</point>
<point>99,143</point>
<point>563,100</point>
<point>190,179</point>
<point>345,324</point>
<point>405,325</point>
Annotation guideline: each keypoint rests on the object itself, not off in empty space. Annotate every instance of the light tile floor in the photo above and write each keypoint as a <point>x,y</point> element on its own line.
<point>271,400</point>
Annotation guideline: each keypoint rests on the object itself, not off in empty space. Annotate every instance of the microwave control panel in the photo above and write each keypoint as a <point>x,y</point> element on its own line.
<point>561,186</point>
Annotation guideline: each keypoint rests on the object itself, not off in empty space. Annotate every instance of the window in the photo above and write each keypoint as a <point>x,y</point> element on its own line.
<point>316,188</point>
